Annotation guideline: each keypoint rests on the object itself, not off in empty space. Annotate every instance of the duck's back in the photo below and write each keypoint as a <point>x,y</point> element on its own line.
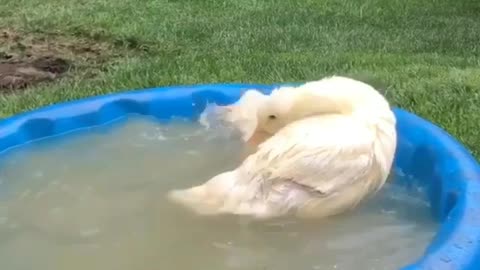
<point>330,157</point>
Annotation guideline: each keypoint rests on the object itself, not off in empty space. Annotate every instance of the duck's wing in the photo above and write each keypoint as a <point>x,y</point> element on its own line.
<point>321,153</point>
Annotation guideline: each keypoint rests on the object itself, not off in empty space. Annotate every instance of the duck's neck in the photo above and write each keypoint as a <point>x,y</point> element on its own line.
<point>373,110</point>
<point>331,102</point>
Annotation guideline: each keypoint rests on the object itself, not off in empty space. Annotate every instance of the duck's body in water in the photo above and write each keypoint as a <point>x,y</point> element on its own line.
<point>327,145</point>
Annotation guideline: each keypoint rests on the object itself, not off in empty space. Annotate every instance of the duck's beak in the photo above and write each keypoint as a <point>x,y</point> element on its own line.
<point>224,112</point>
<point>257,137</point>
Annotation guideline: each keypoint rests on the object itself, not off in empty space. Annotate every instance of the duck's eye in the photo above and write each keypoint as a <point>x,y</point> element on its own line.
<point>272,117</point>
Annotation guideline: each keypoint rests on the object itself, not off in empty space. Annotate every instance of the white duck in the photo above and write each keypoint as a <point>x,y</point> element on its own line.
<point>331,145</point>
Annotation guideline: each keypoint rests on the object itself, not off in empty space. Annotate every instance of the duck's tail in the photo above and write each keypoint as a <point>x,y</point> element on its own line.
<point>207,199</point>
<point>195,199</point>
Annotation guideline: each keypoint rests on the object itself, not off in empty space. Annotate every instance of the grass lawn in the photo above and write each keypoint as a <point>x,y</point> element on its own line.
<point>426,53</point>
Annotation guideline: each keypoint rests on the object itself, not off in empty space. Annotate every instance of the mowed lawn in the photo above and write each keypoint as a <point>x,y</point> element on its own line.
<point>424,53</point>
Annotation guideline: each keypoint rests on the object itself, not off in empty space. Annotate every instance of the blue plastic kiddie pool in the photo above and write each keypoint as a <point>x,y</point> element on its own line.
<point>448,171</point>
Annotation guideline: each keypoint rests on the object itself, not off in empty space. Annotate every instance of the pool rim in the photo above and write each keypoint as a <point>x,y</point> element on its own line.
<point>457,244</point>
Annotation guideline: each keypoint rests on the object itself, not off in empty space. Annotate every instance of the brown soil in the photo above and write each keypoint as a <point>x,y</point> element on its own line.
<point>28,59</point>
<point>22,74</point>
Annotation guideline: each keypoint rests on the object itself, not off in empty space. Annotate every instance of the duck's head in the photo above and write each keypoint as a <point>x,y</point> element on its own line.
<point>243,113</point>
<point>283,106</point>
<point>332,95</point>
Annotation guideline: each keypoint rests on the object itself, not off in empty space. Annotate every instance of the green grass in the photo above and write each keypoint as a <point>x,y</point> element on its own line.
<point>426,53</point>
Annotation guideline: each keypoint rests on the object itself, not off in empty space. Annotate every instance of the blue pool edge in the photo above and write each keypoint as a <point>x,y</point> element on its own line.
<point>424,151</point>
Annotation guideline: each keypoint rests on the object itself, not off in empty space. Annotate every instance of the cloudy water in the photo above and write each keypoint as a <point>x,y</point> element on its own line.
<point>96,200</point>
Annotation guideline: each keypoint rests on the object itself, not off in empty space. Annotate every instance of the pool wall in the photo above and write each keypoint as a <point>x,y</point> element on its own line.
<point>445,168</point>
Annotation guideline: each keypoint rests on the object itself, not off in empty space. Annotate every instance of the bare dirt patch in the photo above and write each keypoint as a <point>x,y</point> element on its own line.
<point>28,59</point>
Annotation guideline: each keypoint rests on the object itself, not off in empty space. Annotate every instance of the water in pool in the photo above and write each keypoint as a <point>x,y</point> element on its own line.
<point>96,200</point>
